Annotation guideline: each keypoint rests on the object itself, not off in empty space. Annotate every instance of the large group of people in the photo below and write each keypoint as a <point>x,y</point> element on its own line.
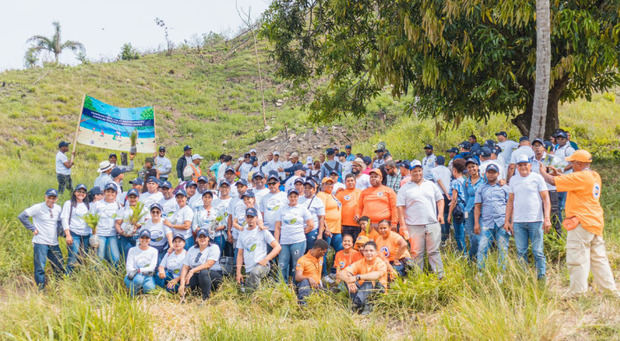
<point>278,217</point>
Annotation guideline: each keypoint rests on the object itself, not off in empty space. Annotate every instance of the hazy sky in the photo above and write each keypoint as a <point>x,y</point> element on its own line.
<point>104,26</point>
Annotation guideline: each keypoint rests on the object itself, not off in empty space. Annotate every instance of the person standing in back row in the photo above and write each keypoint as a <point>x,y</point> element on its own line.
<point>585,247</point>
<point>183,161</point>
<point>63,168</point>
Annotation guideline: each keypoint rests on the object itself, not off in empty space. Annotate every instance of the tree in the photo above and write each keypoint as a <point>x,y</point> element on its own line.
<point>53,45</point>
<point>445,58</point>
<point>543,70</point>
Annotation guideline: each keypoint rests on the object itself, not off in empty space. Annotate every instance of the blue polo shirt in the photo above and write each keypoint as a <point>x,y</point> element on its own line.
<point>493,199</point>
<point>470,193</point>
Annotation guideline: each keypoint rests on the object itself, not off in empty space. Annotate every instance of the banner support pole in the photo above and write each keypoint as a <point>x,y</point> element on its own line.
<point>77,129</point>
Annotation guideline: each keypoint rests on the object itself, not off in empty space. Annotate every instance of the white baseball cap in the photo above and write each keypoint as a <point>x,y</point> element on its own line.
<point>197,157</point>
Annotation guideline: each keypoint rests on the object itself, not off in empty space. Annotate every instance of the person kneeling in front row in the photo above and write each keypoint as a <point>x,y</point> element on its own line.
<point>141,263</point>
<point>365,278</point>
<point>308,270</point>
<point>169,270</point>
<point>201,267</point>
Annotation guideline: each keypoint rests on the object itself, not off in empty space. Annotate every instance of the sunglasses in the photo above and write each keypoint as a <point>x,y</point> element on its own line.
<point>272,183</point>
<point>155,212</point>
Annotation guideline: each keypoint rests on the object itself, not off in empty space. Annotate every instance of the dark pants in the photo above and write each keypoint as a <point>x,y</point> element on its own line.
<point>42,253</point>
<point>163,282</point>
<point>64,181</point>
<point>556,217</point>
<point>364,294</point>
<point>126,243</point>
<point>304,290</point>
<point>207,281</point>
<point>445,227</point>
<point>354,231</point>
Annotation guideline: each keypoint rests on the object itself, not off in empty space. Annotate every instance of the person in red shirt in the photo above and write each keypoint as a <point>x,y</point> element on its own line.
<point>308,270</point>
<point>349,198</point>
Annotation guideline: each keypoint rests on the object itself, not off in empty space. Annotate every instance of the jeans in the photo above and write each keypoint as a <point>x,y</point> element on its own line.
<point>426,238</point>
<point>64,181</point>
<point>287,260</point>
<point>256,275</point>
<point>207,280</point>
<point>311,238</point>
<point>561,204</point>
<point>334,241</point>
<point>221,242</point>
<point>108,249</point>
<point>77,251</point>
<point>139,282</point>
<point>304,290</point>
<point>42,253</point>
<point>445,227</point>
<point>354,231</point>
<point>501,238</point>
<point>361,298</point>
<point>163,282</point>
<point>473,238</point>
<point>189,242</point>
<point>556,216</point>
<point>531,231</point>
<point>459,235</point>
<point>126,243</point>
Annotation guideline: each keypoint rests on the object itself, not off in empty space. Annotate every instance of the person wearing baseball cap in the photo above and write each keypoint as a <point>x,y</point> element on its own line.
<point>489,216</point>
<point>63,168</point>
<point>76,231</point>
<point>525,148</point>
<point>585,247</point>
<point>330,165</point>
<point>170,267</point>
<point>528,212</point>
<point>152,194</point>
<point>180,222</point>
<point>542,157</point>
<point>292,223</point>
<point>272,202</point>
<point>125,227</point>
<point>332,230</point>
<point>140,265</point>
<point>201,267</point>
<point>507,146</point>
<point>428,162</point>
<point>107,209</point>
<point>378,202</point>
<point>259,182</point>
<point>192,171</point>
<point>184,161</point>
<point>362,181</point>
<point>244,167</point>
<point>44,227</point>
<point>563,150</point>
<point>163,165</point>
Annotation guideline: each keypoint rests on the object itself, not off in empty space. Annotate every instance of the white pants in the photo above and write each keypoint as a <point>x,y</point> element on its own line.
<point>585,251</point>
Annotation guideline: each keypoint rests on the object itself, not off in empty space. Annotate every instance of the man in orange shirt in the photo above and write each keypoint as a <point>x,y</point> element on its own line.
<point>378,202</point>
<point>308,270</point>
<point>585,248</point>
<point>349,198</point>
<point>393,247</point>
<point>365,278</point>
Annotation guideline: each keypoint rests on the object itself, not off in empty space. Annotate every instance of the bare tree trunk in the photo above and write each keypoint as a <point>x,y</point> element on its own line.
<point>543,70</point>
<point>260,78</point>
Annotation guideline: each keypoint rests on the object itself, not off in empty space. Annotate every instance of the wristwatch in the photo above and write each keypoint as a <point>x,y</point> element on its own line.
<point>357,277</point>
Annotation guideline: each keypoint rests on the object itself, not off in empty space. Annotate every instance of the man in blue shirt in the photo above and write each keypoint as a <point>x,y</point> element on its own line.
<point>350,156</point>
<point>490,215</point>
<point>475,146</point>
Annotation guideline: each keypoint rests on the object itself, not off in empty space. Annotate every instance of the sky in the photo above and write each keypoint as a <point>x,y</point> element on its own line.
<point>104,26</point>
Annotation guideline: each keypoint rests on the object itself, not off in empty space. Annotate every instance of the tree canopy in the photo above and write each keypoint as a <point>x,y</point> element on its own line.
<point>445,58</point>
<point>53,45</point>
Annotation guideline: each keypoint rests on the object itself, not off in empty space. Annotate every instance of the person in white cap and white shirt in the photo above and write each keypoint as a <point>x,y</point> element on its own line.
<point>362,181</point>
<point>44,224</point>
<point>63,168</point>
<point>104,178</point>
<point>163,164</point>
<point>192,171</point>
<point>276,164</point>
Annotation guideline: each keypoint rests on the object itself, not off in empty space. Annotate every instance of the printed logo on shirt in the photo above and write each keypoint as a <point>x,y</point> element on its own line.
<point>596,191</point>
<point>252,248</point>
<point>341,264</point>
<point>379,194</point>
<point>347,197</point>
<point>385,251</point>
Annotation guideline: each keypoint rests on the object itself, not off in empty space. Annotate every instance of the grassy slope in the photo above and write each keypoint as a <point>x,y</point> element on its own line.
<point>222,97</point>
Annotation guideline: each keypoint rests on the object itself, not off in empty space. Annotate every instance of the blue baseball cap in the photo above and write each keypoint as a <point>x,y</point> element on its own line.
<point>539,140</point>
<point>243,182</point>
<point>465,145</point>
<point>187,147</point>
<point>485,151</point>
<point>251,212</point>
<point>208,192</point>
<point>51,193</point>
<point>291,191</point>
<point>63,144</point>
<point>180,192</point>
<point>133,191</point>
<point>310,181</point>
<point>502,133</point>
<point>152,179</point>
<point>258,175</point>
<point>248,194</point>
<point>144,233</point>
<point>203,233</point>
<point>404,163</point>
<point>367,160</point>
<point>190,183</point>
<point>299,179</point>
<point>110,186</point>
<point>178,236</point>
<point>81,186</point>
<point>347,146</point>
<point>273,175</point>
<point>224,182</point>
<point>229,169</point>
<point>116,172</point>
<point>165,184</point>
<point>472,160</point>
<point>137,181</point>
<point>523,138</point>
<point>453,150</point>
<point>414,164</point>
<point>330,151</point>
<point>492,167</point>
<point>440,160</point>
<point>428,146</point>
<point>497,149</point>
<point>203,178</point>
<point>95,190</point>
<point>561,134</point>
<point>157,206</point>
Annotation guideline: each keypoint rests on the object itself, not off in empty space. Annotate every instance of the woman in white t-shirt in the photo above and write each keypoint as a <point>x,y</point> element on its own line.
<point>107,209</point>
<point>169,270</point>
<point>181,220</point>
<point>141,263</point>
<point>127,232</point>
<point>201,267</point>
<point>161,235</point>
<point>77,232</point>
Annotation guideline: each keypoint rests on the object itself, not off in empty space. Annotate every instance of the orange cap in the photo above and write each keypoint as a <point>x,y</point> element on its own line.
<point>378,171</point>
<point>581,155</point>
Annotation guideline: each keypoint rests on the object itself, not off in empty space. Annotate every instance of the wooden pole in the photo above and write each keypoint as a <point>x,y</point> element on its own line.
<point>154,133</point>
<point>77,129</point>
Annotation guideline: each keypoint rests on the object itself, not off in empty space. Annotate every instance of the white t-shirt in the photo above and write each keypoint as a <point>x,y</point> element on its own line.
<point>270,205</point>
<point>169,206</point>
<point>124,213</point>
<point>527,150</point>
<point>442,173</point>
<point>260,194</point>
<point>45,220</point>
<point>195,257</point>
<point>316,208</point>
<point>205,219</point>
<point>507,147</point>
<point>563,152</point>
<point>338,186</point>
<point>149,199</point>
<point>61,158</point>
<point>179,218</point>
<point>527,200</point>
<point>362,182</point>
<point>254,244</point>
<point>75,223</point>
<point>221,212</point>
<point>158,231</point>
<point>420,202</point>
<point>244,170</point>
<point>107,217</point>
<point>173,262</point>
<point>195,201</point>
<point>293,220</point>
<point>145,260</point>
<point>428,163</point>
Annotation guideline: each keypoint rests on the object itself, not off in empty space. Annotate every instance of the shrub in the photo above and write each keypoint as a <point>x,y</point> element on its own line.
<point>128,52</point>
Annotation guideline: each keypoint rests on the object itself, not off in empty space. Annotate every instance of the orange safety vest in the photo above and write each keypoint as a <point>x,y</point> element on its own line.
<point>196,172</point>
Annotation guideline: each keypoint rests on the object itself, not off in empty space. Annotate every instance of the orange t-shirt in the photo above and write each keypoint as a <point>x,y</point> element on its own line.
<point>333,217</point>
<point>342,260</point>
<point>582,199</point>
<point>310,267</point>
<point>362,267</point>
<point>388,247</point>
<point>378,203</point>
<point>349,198</point>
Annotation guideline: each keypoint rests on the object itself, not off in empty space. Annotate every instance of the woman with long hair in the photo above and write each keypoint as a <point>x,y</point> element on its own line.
<point>77,232</point>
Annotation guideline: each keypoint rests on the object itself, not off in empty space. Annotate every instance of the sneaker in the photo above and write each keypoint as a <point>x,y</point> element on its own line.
<point>367,310</point>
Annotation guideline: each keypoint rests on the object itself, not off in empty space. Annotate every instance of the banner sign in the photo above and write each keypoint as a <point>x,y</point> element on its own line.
<point>106,126</point>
